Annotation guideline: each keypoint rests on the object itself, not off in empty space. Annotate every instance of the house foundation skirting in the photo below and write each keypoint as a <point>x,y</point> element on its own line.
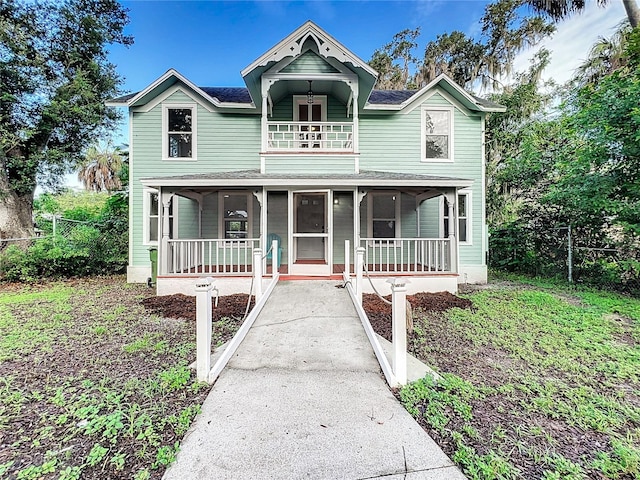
<point>168,285</point>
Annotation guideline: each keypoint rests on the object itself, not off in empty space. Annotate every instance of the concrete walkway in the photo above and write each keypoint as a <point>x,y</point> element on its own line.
<point>304,398</point>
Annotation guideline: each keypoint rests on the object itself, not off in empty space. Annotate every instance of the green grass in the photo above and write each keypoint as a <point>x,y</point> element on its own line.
<point>544,365</point>
<point>90,385</point>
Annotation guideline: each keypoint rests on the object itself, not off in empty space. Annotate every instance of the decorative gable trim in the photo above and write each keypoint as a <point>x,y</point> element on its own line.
<point>292,46</point>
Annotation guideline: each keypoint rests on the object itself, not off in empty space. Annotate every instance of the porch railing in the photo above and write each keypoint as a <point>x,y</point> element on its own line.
<point>210,256</point>
<point>316,136</point>
<point>407,255</point>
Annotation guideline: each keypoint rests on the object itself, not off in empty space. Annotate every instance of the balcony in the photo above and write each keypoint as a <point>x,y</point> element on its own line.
<point>310,137</point>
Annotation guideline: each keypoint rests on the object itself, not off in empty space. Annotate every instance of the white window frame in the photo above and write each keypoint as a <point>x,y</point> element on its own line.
<point>370,218</point>
<point>423,134</point>
<point>165,131</point>
<point>222,233</point>
<point>302,100</point>
<point>146,215</point>
<point>468,195</point>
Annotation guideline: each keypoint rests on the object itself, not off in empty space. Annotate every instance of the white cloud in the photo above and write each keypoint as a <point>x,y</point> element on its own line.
<point>574,38</point>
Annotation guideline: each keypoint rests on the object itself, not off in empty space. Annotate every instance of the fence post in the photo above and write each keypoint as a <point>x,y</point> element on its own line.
<point>399,328</point>
<point>203,328</point>
<point>257,273</point>
<point>347,259</point>
<point>359,270</point>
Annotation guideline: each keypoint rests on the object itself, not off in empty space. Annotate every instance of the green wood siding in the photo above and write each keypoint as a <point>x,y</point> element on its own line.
<point>186,211</point>
<point>283,110</point>
<point>309,62</point>
<point>277,210</point>
<point>393,143</point>
<point>342,224</point>
<point>317,163</point>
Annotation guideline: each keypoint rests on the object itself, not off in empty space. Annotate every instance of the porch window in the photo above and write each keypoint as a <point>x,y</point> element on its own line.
<point>152,214</point>
<point>437,135</point>
<point>383,215</point>
<point>464,217</point>
<point>179,124</point>
<point>236,209</point>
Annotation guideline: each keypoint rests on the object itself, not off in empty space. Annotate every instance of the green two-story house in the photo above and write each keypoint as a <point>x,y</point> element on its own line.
<point>309,153</point>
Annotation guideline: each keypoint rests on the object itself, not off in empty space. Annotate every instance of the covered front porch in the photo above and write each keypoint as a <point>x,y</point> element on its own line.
<point>407,225</point>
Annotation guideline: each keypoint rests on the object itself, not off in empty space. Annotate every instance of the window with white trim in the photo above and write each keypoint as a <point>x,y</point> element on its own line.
<point>437,128</point>
<point>464,217</point>
<point>236,215</point>
<point>179,132</point>
<point>152,209</point>
<point>383,215</point>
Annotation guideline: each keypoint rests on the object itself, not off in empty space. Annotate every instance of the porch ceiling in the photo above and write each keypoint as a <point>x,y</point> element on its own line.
<point>253,178</point>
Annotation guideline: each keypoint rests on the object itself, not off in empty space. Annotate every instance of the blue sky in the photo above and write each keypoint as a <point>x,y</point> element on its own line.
<point>210,42</point>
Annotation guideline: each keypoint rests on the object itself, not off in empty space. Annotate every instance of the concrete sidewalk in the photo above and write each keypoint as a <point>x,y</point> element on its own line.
<point>304,398</point>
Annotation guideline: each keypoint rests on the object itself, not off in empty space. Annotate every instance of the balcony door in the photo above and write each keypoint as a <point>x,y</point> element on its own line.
<point>310,117</point>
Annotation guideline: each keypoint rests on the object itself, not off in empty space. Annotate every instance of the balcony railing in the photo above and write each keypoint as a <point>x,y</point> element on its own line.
<point>210,256</point>
<point>407,255</point>
<point>311,136</point>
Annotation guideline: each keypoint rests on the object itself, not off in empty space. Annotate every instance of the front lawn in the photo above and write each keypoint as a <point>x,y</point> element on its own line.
<point>91,385</point>
<point>540,382</point>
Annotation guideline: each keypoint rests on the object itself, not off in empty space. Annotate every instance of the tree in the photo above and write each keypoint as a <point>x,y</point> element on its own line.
<point>561,9</point>
<point>55,80</point>
<point>605,57</point>
<point>100,168</point>
<point>394,61</point>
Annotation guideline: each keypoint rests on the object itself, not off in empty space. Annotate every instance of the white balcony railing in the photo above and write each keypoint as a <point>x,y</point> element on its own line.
<point>313,136</point>
<point>210,256</point>
<point>407,255</point>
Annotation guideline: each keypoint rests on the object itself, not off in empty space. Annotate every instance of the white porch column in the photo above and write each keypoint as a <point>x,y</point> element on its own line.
<point>265,111</point>
<point>163,254</point>
<point>399,328</point>
<point>203,328</point>
<point>356,123</point>
<point>453,229</point>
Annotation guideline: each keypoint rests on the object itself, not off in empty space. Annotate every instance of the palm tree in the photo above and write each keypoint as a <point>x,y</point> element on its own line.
<point>605,57</point>
<point>560,9</point>
<point>100,168</point>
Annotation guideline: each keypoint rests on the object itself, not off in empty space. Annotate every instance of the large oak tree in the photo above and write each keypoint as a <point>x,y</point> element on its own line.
<point>54,80</point>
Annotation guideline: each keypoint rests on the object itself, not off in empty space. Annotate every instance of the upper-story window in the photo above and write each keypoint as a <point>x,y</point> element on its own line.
<point>437,134</point>
<point>179,132</point>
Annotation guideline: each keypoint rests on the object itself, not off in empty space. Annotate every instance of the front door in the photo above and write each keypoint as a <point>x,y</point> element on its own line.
<point>311,232</point>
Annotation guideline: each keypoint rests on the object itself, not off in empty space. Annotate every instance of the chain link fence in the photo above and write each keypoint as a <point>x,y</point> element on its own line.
<point>563,252</point>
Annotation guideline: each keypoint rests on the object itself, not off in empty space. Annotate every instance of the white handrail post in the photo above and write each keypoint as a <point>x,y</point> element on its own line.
<point>347,259</point>
<point>359,269</point>
<point>203,328</point>
<point>257,273</point>
<point>399,328</point>
<point>274,257</point>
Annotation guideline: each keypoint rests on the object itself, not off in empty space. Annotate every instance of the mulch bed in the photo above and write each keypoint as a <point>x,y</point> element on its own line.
<point>184,306</point>
<point>379,312</point>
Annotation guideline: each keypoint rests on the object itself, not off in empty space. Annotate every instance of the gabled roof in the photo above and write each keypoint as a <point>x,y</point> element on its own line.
<point>232,97</point>
<point>401,99</point>
<point>295,45</point>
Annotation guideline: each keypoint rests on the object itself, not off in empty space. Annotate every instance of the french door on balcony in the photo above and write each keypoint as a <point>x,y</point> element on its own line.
<point>311,233</point>
<point>308,114</point>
